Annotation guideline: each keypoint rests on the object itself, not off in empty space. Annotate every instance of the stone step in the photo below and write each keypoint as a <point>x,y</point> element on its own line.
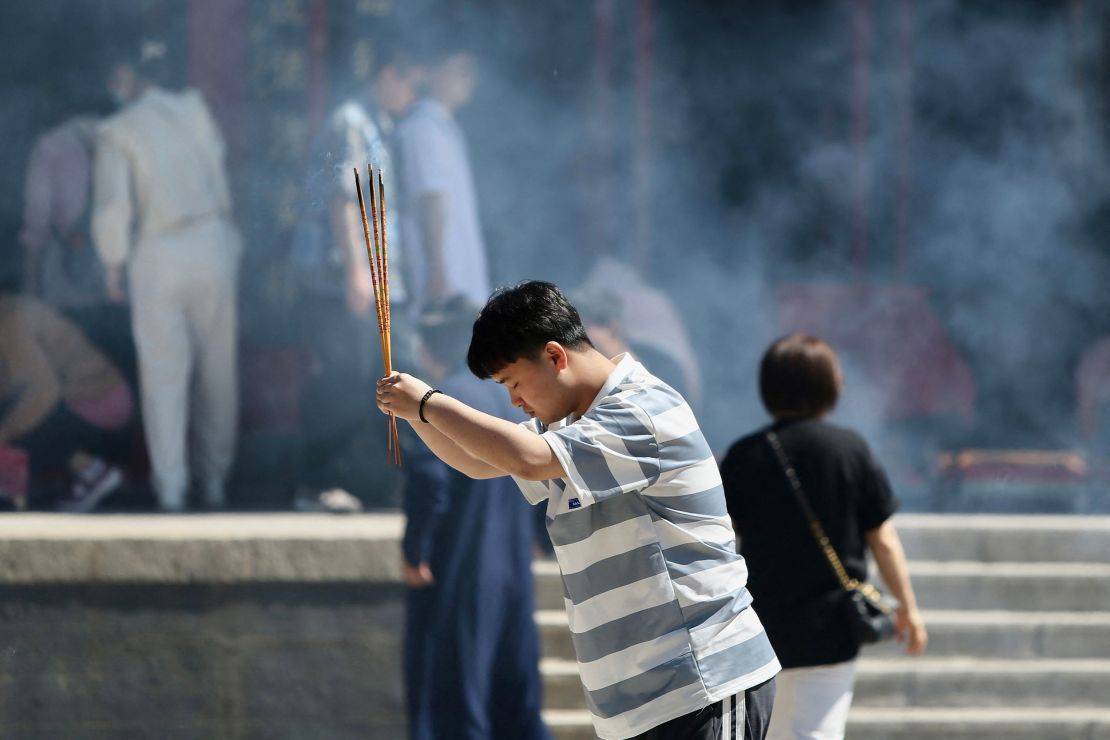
<point>562,688</point>
<point>965,584</point>
<point>960,682</point>
<point>1000,723</point>
<point>984,634</point>
<point>569,724</point>
<point>1011,634</point>
<point>1062,723</point>
<point>962,584</point>
<point>997,538</point>
<point>953,682</point>
<point>554,630</point>
<point>1005,538</point>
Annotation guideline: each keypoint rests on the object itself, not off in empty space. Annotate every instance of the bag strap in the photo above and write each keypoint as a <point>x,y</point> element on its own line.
<point>849,584</point>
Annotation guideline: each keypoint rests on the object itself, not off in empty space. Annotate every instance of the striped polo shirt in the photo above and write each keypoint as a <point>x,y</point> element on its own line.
<point>654,588</point>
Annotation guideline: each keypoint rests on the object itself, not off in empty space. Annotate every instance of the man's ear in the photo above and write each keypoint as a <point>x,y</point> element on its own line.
<point>556,354</point>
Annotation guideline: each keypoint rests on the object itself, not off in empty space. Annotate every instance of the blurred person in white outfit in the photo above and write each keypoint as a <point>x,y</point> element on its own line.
<point>162,209</point>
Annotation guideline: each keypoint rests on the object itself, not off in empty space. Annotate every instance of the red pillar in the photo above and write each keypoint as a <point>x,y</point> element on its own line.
<point>1082,30</point>
<point>645,75</point>
<point>218,65</point>
<point>862,16</point>
<point>905,135</point>
<point>317,63</point>
<point>601,206</point>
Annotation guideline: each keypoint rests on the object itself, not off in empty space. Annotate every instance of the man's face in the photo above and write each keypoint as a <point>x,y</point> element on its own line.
<point>395,90</point>
<point>534,387</point>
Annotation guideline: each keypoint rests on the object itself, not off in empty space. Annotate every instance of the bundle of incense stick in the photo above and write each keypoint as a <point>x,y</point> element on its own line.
<point>377,251</point>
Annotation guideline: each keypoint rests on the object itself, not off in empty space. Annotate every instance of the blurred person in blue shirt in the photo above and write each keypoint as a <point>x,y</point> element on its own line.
<point>440,221</point>
<point>471,649</point>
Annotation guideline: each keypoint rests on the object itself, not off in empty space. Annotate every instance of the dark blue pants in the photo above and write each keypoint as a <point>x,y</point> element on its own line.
<point>471,667</point>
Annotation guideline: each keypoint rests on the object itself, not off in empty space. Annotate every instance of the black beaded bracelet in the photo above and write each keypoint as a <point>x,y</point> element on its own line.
<point>431,392</point>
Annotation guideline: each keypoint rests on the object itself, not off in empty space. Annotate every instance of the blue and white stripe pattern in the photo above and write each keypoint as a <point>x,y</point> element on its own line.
<point>653,584</point>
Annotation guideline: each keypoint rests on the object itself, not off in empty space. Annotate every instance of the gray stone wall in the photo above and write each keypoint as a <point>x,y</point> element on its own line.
<point>294,655</point>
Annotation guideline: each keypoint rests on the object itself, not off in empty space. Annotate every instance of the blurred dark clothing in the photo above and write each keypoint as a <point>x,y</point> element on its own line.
<point>793,586</point>
<point>338,395</point>
<point>471,648</point>
<point>60,435</point>
<point>745,716</point>
<point>59,394</point>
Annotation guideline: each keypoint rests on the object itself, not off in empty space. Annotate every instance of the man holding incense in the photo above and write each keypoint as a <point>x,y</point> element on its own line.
<point>668,644</point>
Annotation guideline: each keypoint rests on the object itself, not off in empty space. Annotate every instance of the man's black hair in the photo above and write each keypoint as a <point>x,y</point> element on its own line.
<point>517,322</point>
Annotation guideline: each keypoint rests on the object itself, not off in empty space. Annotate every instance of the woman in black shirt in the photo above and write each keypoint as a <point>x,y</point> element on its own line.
<point>794,587</point>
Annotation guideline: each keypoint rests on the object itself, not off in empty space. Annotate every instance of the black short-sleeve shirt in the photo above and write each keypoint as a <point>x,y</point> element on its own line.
<point>793,585</point>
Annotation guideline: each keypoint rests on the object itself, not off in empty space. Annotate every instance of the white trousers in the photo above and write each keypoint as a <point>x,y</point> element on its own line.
<point>812,703</point>
<point>184,319</point>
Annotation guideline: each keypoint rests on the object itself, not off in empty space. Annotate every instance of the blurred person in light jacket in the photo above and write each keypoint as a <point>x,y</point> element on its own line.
<point>162,214</point>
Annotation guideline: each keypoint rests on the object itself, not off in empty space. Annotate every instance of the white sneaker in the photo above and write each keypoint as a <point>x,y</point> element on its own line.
<point>333,500</point>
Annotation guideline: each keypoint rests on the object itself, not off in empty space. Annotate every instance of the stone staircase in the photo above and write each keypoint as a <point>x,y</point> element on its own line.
<point>1018,611</point>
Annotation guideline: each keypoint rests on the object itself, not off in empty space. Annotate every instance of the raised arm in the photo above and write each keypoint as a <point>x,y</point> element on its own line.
<point>452,454</point>
<point>497,443</point>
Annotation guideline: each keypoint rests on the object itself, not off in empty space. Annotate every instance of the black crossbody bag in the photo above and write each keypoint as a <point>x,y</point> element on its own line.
<point>870,615</point>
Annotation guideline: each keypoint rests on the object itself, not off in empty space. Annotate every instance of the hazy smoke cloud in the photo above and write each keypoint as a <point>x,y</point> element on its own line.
<point>753,167</point>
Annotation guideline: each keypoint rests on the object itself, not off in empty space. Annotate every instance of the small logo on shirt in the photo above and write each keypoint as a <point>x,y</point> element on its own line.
<point>574,504</point>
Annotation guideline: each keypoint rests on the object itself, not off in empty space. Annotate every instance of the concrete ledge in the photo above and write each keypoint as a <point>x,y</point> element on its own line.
<point>199,549</point>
